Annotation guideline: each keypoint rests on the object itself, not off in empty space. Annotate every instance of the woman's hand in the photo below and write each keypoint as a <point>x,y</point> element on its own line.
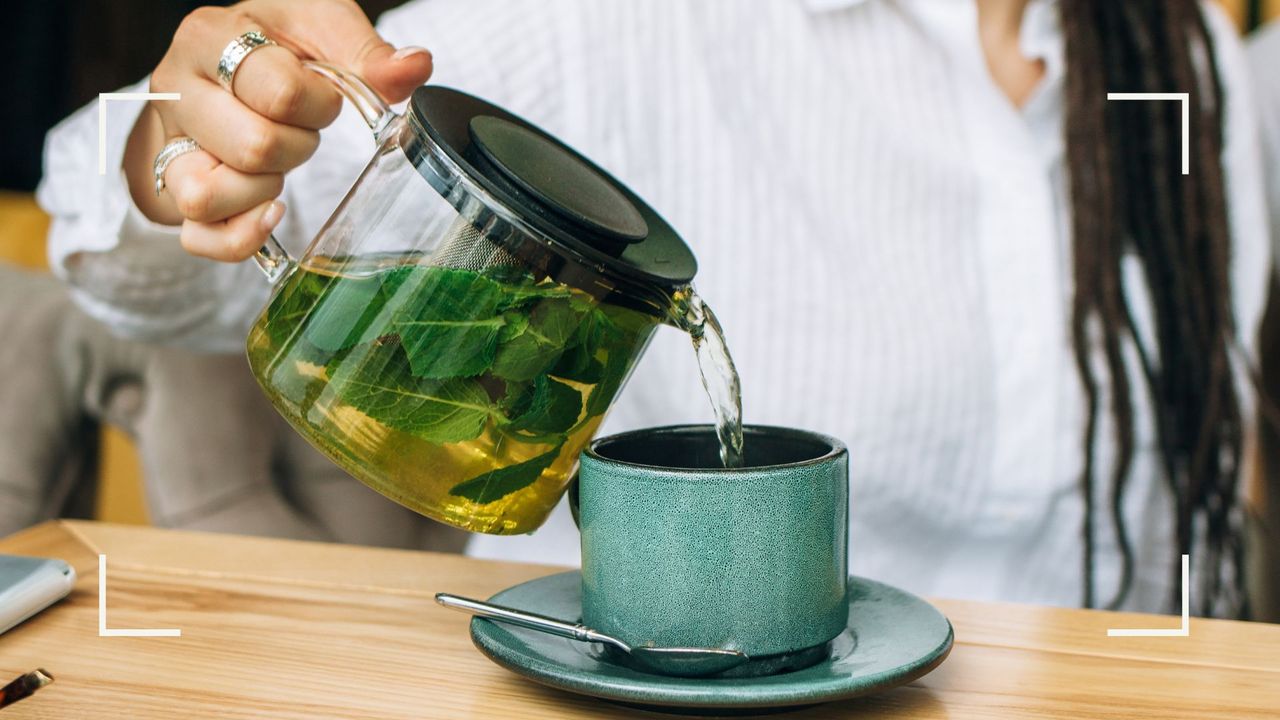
<point>224,194</point>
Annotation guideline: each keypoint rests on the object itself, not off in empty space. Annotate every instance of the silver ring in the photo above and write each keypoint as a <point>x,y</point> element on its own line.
<point>172,150</point>
<point>235,52</point>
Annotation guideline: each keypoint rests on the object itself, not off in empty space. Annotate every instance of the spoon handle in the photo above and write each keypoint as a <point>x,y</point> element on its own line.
<point>533,621</point>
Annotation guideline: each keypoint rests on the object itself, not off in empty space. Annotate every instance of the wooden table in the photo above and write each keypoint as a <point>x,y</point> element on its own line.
<point>282,629</point>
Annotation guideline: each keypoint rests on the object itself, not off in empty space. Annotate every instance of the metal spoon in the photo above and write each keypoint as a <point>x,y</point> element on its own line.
<point>676,661</point>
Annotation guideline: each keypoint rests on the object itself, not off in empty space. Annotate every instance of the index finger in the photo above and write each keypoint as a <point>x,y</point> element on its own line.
<point>273,82</point>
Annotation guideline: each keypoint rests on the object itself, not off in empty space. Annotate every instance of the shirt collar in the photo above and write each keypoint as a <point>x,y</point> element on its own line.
<point>1041,36</point>
<point>819,6</point>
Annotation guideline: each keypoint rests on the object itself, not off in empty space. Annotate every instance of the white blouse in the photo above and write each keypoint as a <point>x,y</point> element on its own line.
<point>884,236</point>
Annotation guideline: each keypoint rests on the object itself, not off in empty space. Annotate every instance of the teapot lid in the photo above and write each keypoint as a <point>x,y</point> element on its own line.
<point>552,188</point>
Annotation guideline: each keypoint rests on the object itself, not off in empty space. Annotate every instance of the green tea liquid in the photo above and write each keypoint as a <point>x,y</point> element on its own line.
<point>465,396</point>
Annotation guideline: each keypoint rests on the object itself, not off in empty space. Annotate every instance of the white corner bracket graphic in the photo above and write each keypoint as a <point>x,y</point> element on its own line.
<point>1185,98</point>
<point>103,630</point>
<point>102,118</point>
<point>1184,631</point>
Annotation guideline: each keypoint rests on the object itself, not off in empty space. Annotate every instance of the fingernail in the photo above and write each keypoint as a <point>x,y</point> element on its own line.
<point>271,218</point>
<point>409,51</point>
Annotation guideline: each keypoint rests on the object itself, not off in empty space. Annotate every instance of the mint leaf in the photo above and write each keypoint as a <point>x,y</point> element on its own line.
<point>290,306</point>
<point>499,483</point>
<point>447,320</point>
<point>517,399</point>
<point>378,382</point>
<point>615,371</point>
<point>300,374</point>
<point>344,312</point>
<point>623,331</point>
<point>579,364</point>
<point>533,351</point>
<point>552,409</point>
<point>398,276</point>
<point>620,322</point>
<point>442,349</point>
<point>520,286</point>
<point>516,323</point>
<point>521,295</point>
<point>508,274</point>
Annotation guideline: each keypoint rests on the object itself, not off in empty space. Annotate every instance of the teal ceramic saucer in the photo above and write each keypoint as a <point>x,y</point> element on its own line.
<point>893,637</point>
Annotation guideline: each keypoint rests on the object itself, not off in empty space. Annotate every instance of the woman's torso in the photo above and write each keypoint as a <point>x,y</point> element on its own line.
<point>883,236</point>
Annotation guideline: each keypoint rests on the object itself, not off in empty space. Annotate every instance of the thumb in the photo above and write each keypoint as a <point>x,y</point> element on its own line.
<point>394,73</point>
<point>339,33</point>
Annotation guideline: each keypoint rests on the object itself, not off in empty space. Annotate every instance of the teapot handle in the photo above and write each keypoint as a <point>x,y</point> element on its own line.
<point>272,258</point>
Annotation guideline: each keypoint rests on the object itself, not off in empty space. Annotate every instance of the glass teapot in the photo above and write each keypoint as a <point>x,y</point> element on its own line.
<point>456,332</point>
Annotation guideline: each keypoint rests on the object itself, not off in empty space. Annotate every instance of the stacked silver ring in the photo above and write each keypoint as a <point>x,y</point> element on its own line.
<point>172,150</point>
<point>235,53</point>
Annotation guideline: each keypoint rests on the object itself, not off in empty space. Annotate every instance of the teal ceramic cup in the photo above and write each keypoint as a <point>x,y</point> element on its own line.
<point>679,551</point>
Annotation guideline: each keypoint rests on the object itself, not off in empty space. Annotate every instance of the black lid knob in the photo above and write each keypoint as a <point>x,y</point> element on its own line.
<point>557,179</point>
<point>554,189</point>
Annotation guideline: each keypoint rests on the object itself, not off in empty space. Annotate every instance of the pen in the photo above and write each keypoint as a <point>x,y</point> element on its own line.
<point>24,686</point>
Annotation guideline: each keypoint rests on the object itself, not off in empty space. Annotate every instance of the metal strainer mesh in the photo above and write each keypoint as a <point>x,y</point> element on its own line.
<point>469,247</point>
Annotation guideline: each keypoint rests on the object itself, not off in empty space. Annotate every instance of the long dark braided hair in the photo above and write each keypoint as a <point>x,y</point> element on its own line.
<point>1130,200</point>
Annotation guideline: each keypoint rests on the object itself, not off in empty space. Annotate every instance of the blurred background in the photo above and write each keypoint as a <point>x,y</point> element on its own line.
<point>60,55</point>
